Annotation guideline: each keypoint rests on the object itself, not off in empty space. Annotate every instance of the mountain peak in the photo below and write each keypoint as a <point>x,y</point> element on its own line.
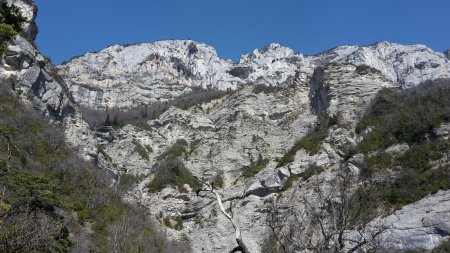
<point>28,10</point>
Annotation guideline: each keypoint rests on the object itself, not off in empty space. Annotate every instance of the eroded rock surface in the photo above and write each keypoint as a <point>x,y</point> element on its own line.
<point>228,135</point>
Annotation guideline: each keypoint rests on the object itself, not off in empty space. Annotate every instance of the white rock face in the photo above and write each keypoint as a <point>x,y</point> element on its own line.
<point>408,65</point>
<point>127,76</point>
<point>231,132</point>
<point>225,136</point>
<point>344,90</point>
<point>36,84</point>
<point>420,226</point>
<point>272,65</point>
<point>33,74</point>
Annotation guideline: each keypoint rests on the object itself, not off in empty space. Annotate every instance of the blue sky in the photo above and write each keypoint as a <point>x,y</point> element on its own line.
<point>68,28</point>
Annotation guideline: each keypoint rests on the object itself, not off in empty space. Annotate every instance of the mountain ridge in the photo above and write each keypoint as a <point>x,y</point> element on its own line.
<point>277,145</point>
<point>165,62</point>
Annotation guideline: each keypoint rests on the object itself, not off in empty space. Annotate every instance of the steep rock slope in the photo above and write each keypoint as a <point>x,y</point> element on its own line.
<point>408,65</point>
<point>127,76</point>
<point>228,136</point>
<point>241,137</point>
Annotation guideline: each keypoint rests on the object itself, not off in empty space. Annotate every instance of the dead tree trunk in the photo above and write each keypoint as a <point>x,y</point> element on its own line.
<point>241,247</point>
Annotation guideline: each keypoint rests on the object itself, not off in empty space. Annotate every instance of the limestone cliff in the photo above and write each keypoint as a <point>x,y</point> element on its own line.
<point>252,125</point>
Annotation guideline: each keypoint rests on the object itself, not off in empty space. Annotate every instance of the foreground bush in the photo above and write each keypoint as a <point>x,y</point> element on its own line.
<point>48,194</point>
<point>171,171</point>
<point>410,117</point>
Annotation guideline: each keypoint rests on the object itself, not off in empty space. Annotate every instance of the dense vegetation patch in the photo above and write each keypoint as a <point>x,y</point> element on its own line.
<point>311,141</point>
<point>311,171</point>
<point>218,181</point>
<point>175,151</point>
<point>11,20</point>
<point>127,180</point>
<point>255,167</point>
<point>139,115</point>
<point>290,182</point>
<point>171,171</point>
<point>141,150</point>
<point>48,194</point>
<point>267,89</point>
<point>174,223</point>
<point>405,116</point>
<point>410,117</point>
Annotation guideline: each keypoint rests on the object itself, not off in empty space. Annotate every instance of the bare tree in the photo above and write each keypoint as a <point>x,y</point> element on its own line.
<point>335,218</point>
<point>241,247</point>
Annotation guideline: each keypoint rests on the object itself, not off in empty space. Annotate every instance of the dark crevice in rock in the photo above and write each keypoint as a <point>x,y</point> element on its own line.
<point>318,94</point>
<point>241,72</point>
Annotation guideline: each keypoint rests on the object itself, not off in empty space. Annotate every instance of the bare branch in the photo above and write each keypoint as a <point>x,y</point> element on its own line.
<point>241,245</point>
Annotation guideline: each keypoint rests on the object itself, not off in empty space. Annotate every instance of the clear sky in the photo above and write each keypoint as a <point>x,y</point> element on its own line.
<point>72,27</point>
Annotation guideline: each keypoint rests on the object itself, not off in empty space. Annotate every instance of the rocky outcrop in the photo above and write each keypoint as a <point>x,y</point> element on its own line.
<point>29,11</point>
<point>272,65</point>
<point>344,90</point>
<point>34,79</point>
<point>420,226</point>
<point>408,65</point>
<point>447,54</point>
<point>227,136</point>
<point>36,82</point>
<point>126,76</point>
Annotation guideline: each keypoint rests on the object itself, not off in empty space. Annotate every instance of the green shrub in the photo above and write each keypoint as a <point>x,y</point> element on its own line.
<point>11,24</point>
<point>126,181</point>
<point>7,33</point>
<point>12,16</point>
<point>171,170</point>
<point>255,167</point>
<point>258,88</point>
<point>311,141</point>
<point>405,116</point>
<point>419,156</point>
<point>172,173</point>
<point>376,162</point>
<point>148,148</point>
<point>290,182</point>
<point>311,171</point>
<point>363,206</point>
<point>178,149</point>
<point>101,151</point>
<point>365,69</point>
<point>138,148</point>
<point>174,223</point>
<point>194,145</point>
<point>143,126</point>
<point>218,181</point>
